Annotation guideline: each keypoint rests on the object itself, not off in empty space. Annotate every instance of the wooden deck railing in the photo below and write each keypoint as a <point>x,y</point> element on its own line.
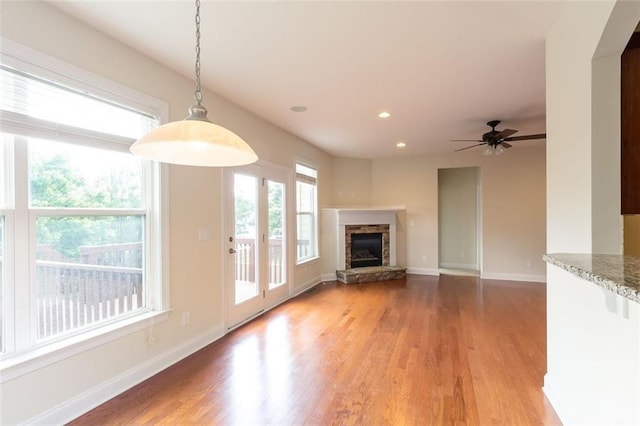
<point>107,284</point>
<point>73,295</point>
<point>245,260</point>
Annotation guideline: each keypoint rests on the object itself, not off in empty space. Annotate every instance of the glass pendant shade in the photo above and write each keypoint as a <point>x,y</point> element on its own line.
<point>194,141</point>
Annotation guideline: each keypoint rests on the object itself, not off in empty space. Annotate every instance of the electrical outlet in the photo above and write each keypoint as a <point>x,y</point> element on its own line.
<point>424,258</point>
<point>186,318</point>
<point>461,255</point>
<point>529,263</point>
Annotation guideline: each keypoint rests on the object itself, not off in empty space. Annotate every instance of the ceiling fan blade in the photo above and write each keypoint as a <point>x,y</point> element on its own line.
<point>505,133</point>
<point>527,137</point>
<point>472,146</point>
<point>465,140</point>
<point>506,145</point>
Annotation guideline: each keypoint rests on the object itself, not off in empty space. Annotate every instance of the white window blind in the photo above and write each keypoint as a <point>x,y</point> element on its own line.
<point>306,209</point>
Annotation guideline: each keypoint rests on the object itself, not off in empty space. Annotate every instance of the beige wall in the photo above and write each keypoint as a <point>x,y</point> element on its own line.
<point>196,267</point>
<point>513,205</point>
<point>351,182</point>
<point>513,208</point>
<point>458,217</point>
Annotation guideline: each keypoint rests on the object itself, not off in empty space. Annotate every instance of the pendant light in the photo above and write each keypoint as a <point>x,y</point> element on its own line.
<point>195,141</point>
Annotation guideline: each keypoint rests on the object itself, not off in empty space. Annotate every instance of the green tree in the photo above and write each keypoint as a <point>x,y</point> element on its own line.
<point>276,192</point>
<point>54,183</point>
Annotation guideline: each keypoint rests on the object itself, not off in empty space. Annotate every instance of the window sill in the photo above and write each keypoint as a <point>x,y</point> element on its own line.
<point>15,366</point>
<point>307,262</point>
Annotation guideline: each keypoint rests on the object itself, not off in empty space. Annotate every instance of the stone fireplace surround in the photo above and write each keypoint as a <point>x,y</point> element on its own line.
<point>367,229</point>
<point>374,219</point>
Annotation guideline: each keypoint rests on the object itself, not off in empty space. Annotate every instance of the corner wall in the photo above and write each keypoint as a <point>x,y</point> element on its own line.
<point>513,208</point>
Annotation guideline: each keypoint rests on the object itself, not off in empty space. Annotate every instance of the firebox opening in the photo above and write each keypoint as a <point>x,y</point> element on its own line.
<point>366,250</point>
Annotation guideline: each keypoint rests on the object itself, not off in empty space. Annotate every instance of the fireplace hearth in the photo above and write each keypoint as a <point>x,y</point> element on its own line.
<point>374,222</point>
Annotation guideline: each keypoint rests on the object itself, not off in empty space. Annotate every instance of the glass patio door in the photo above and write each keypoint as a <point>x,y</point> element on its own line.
<point>257,267</point>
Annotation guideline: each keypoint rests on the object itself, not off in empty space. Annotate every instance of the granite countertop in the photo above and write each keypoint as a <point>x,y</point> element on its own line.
<point>620,274</point>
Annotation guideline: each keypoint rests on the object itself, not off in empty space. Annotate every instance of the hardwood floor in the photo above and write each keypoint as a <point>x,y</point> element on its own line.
<point>422,351</point>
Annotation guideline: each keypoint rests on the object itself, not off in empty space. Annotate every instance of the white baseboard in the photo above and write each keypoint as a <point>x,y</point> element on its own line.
<point>459,265</point>
<point>306,286</point>
<point>328,277</point>
<point>432,271</point>
<point>422,271</point>
<point>555,400</point>
<point>514,277</point>
<point>75,407</point>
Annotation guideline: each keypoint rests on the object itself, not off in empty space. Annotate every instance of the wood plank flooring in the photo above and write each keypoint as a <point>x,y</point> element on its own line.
<point>421,351</point>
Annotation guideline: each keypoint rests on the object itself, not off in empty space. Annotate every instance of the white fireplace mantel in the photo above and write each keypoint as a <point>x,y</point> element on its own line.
<point>365,216</point>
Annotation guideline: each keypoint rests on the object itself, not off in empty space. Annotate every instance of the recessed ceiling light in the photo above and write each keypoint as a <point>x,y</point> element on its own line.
<point>299,108</point>
<point>401,145</point>
<point>384,114</point>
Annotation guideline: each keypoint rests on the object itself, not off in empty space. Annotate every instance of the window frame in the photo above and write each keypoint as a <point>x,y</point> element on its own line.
<point>24,354</point>
<point>313,213</point>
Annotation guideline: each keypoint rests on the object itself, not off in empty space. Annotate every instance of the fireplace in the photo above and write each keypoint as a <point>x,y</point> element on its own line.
<point>361,220</point>
<point>364,243</point>
<point>370,244</point>
<point>366,250</point>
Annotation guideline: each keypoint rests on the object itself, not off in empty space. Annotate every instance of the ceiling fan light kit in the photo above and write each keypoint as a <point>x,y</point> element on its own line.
<point>195,141</point>
<point>496,141</point>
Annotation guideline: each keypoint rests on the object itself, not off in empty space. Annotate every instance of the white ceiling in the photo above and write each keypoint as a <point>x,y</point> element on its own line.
<point>442,68</point>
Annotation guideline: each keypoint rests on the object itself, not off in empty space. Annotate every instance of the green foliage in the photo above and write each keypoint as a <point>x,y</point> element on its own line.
<point>245,215</point>
<point>276,206</point>
<point>54,183</point>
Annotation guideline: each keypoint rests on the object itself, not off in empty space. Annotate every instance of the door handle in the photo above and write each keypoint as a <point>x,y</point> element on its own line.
<point>232,251</point>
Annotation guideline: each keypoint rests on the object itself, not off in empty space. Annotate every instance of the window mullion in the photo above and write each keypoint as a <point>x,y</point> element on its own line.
<point>24,311</point>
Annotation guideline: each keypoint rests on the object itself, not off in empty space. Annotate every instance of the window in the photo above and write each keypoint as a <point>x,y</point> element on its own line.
<point>2,284</point>
<point>80,233</point>
<point>306,208</point>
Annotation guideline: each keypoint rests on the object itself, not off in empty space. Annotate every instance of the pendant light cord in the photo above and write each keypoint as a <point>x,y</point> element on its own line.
<point>198,94</point>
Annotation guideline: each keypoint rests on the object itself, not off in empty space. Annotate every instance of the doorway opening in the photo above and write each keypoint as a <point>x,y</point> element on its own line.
<point>459,221</point>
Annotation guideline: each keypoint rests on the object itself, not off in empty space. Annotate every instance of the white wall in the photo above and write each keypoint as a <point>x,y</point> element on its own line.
<point>593,361</point>
<point>513,208</point>
<point>458,217</point>
<point>68,387</point>
<point>593,354</point>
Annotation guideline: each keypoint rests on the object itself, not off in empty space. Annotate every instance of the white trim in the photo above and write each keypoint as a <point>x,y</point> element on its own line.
<point>35,359</point>
<point>31,60</point>
<point>307,262</point>
<point>365,216</point>
<point>556,402</point>
<point>316,210</point>
<point>453,265</point>
<point>23,125</point>
<point>514,277</point>
<point>423,271</point>
<point>75,407</point>
<point>328,277</point>
<point>306,286</point>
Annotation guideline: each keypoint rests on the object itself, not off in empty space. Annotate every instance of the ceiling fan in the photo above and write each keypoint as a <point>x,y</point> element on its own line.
<point>498,140</point>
